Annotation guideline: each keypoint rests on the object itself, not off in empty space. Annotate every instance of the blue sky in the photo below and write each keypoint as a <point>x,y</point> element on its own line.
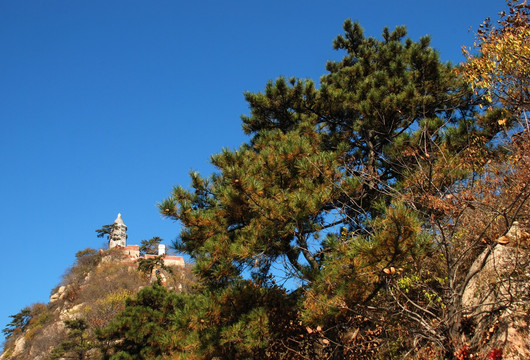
<point>105,105</point>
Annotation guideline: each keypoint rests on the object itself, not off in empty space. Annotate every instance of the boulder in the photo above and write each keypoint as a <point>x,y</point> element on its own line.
<point>496,299</point>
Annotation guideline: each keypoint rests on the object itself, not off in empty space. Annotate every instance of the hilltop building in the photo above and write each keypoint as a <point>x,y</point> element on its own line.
<point>118,240</point>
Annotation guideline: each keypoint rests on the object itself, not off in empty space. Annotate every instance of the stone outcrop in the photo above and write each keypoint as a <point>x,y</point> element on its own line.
<point>59,295</point>
<point>497,296</point>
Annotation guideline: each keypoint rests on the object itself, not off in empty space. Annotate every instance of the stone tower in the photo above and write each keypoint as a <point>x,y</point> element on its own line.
<point>118,233</point>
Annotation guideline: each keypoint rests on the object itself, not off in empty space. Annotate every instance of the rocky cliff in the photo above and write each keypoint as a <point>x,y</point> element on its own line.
<point>495,300</point>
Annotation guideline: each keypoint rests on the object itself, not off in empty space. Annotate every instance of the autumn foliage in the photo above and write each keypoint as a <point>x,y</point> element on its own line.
<point>501,68</point>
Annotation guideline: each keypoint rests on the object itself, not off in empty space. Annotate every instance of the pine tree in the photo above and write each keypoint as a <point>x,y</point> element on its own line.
<point>77,345</point>
<point>105,230</point>
<point>335,191</point>
<point>150,246</point>
<point>19,322</point>
<point>142,328</point>
<point>321,159</point>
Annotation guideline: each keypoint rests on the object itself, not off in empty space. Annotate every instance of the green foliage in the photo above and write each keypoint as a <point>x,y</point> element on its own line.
<point>150,246</point>
<point>354,266</point>
<point>239,322</point>
<point>77,345</point>
<point>105,230</point>
<point>19,323</point>
<point>237,216</point>
<point>338,189</point>
<point>143,326</point>
<point>322,158</point>
<point>147,265</point>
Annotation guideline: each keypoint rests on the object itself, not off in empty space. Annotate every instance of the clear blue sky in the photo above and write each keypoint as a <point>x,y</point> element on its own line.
<point>105,105</point>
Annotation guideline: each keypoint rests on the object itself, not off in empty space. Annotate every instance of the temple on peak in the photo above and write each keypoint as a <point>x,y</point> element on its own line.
<point>118,239</point>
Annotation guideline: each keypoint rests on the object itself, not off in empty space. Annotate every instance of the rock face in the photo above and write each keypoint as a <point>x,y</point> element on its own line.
<point>59,294</point>
<point>17,349</point>
<point>496,298</point>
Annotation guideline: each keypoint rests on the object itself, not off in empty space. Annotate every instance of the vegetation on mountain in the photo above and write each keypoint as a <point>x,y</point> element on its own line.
<point>77,345</point>
<point>147,265</point>
<point>92,293</point>
<point>141,330</point>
